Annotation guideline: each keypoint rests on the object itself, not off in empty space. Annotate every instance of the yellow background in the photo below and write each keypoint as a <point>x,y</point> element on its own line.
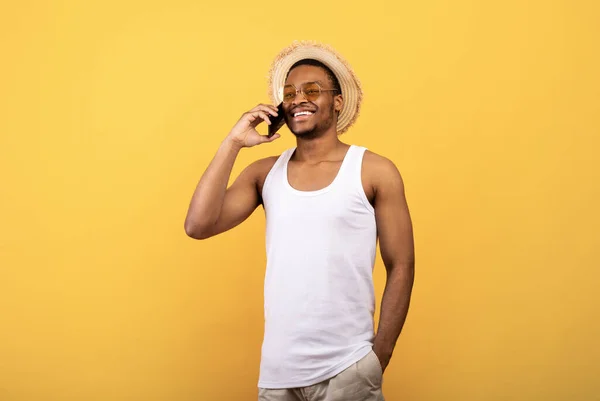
<point>111,110</point>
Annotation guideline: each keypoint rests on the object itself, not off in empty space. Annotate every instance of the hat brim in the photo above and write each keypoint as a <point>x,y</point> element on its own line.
<point>349,83</point>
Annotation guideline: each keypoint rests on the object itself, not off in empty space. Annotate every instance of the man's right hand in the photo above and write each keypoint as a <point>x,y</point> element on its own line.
<point>244,133</point>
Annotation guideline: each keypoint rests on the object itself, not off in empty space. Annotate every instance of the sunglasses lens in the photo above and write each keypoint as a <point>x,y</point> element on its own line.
<point>311,91</point>
<point>289,93</point>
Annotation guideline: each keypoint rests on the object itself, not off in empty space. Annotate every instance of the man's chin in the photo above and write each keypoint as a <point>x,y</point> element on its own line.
<point>302,131</point>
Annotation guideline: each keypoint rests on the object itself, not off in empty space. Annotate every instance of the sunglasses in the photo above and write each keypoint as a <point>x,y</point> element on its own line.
<point>310,91</point>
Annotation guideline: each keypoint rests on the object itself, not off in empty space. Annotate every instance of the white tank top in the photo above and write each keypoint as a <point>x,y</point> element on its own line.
<point>319,297</point>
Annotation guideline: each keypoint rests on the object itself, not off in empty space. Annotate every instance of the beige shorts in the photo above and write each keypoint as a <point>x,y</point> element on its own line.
<point>360,382</point>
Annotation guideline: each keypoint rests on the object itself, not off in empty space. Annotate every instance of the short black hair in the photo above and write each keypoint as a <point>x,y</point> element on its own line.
<point>317,63</point>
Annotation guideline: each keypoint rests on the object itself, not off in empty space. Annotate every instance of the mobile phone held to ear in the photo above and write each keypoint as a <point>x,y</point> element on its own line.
<point>276,122</point>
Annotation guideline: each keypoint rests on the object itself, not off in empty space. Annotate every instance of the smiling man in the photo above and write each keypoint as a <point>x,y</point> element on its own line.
<point>327,204</point>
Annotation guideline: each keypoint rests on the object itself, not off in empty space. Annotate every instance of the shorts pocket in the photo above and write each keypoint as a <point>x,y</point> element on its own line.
<point>370,369</point>
<point>377,362</point>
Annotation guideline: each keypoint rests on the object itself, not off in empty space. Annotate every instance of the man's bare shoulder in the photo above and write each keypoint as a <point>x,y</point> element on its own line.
<point>261,167</point>
<point>259,170</point>
<point>378,167</point>
<point>381,176</point>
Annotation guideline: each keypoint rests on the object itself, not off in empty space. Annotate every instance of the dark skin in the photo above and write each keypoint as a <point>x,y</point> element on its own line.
<point>215,208</point>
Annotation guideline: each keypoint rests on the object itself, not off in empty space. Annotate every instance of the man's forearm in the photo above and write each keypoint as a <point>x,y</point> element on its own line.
<point>394,308</point>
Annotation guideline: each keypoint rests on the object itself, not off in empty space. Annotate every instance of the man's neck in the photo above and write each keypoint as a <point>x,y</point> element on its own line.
<point>319,149</point>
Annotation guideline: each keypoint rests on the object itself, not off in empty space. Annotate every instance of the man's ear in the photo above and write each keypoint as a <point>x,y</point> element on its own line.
<point>338,103</point>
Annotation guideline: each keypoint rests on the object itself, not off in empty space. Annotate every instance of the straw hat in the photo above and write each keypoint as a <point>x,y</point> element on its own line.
<point>349,83</point>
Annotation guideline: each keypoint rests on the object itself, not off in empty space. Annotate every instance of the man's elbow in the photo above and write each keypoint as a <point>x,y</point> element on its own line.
<point>196,231</point>
<point>409,266</point>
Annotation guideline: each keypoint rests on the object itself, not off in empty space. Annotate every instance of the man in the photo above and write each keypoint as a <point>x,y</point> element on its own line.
<point>326,203</point>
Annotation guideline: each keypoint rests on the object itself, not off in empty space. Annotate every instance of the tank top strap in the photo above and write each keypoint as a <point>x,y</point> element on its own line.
<point>351,173</point>
<point>278,169</point>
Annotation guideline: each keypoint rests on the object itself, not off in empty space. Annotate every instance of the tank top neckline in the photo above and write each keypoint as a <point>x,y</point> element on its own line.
<point>323,190</point>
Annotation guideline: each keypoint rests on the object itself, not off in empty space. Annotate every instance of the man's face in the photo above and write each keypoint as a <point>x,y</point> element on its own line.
<point>323,115</point>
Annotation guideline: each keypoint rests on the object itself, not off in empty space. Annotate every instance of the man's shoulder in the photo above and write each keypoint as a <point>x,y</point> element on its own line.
<point>378,164</point>
<point>265,162</point>
<point>379,171</point>
<point>261,167</point>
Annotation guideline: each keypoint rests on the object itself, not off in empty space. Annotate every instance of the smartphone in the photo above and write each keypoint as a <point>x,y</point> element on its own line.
<point>276,122</point>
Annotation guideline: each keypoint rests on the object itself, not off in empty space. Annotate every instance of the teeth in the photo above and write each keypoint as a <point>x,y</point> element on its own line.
<point>303,113</point>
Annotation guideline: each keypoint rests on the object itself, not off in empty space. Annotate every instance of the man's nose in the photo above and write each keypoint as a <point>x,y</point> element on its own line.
<point>299,98</point>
